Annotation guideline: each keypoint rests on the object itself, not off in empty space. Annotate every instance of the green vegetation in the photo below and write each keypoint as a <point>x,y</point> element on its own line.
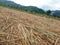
<point>48,12</point>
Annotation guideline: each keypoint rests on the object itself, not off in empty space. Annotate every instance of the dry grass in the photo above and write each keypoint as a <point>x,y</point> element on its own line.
<point>20,28</point>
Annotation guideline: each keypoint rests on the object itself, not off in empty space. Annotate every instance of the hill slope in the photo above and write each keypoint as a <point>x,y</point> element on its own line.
<point>11,4</point>
<point>20,28</point>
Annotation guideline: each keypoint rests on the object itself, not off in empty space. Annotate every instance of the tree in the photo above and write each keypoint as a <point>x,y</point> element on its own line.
<point>48,12</point>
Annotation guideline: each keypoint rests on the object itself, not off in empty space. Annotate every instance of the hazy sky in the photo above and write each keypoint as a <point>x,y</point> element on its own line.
<point>45,4</point>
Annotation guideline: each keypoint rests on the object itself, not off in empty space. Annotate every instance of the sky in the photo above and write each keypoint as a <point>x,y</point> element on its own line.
<point>44,4</point>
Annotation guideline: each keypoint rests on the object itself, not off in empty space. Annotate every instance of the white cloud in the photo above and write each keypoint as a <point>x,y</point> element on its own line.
<point>32,2</point>
<point>57,6</point>
<point>46,4</point>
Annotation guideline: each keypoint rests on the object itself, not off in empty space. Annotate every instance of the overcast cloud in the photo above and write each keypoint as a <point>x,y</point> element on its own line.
<point>44,4</point>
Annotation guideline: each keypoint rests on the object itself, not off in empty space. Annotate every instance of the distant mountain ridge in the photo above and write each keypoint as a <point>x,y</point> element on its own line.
<point>31,9</point>
<point>56,13</point>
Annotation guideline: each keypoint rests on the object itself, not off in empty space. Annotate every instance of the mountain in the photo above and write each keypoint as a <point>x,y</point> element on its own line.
<point>7,3</point>
<point>31,9</point>
<point>56,13</point>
